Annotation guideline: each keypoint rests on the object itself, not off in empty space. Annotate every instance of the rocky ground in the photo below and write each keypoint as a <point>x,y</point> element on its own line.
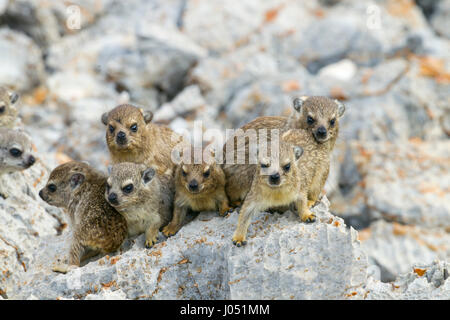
<point>225,64</point>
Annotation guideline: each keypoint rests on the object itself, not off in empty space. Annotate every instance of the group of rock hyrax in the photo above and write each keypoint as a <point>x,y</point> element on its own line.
<point>145,191</point>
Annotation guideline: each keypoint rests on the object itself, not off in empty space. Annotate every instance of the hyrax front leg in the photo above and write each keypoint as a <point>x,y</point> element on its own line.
<point>179,213</point>
<point>151,234</point>
<point>303,209</point>
<point>75,254</point>
<point>224,207</point>
<point>245,216</point>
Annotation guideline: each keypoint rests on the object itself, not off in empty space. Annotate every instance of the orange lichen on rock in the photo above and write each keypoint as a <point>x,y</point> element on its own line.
<point>434,68</point>
<point>420,272</point>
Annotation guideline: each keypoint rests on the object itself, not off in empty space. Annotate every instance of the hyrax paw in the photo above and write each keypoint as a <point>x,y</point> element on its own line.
<point>150,242</point>
<point>63,268</point>
<point>308,217</point>
<point>223,212</point>
<point>169,231</point>
<point>239,241</point>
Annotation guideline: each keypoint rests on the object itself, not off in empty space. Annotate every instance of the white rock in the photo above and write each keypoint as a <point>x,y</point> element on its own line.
<point>20,61</point>
<point>291,259</point>
<point>343,70</point>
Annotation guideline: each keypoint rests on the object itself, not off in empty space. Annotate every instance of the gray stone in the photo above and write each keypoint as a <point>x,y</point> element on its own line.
<point>423,282</point>
<point>291,259</point>
<point>440,19</point>
<point>20,61</point>
<point>24,218</point>
<point>395,247</point>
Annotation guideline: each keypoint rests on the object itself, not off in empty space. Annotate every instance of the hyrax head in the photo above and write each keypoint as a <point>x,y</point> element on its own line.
<point>126,183</point>
<point>319,115</point>
<point>64,180</point>
<point>197,171</point>
<point>15,151</point>
<point>278,164</point>
<point>7,99</point>
<point>125,124</point>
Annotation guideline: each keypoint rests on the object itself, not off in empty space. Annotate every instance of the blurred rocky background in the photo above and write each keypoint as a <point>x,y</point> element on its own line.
<point>225,63</point>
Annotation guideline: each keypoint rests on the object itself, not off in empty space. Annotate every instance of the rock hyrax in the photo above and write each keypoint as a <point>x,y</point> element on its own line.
<point>142,197</point>
<point>318,116</point>
<point>278,181</point>
<point>131,137</point>
<point>96,226</point>
<point>198,187</point>
<point>15,151</point>
<point>8,113</point>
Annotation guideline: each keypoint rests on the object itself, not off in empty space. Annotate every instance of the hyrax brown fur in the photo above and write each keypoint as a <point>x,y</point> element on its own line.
<point>131,137</point>
<point>142,196</point>
<point>198,187</point>
<point>318,116</point>
<point>96,226</point>
<point>281,180</point>
<point>8,113</point>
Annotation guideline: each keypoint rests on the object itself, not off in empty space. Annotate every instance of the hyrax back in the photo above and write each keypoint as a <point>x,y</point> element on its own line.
<point>8,113</point>
<point>278,181</point>
<point>15,151</point>
<point>97,227</point>
<point>142,196</point>
<point>318,116</point>
<point>131,137</point>
<point>198,187</point>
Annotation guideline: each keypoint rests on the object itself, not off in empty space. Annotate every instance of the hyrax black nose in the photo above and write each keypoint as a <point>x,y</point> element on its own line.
<point>41,194</point>
<point>121,135</point>
<point>193,185</point>
<point>112,197</point>
<point>275,178</point>
<point>31,160</point>
<point>321,131</point>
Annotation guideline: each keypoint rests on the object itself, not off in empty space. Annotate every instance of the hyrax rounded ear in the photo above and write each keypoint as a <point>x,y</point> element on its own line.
<point>13,97</point>
<point>298,151</point>
<point>148,175</point>
<point>298,103</point>
<point>341,108</point>
<point>76,180</point>
<point>105,118</point>
<point>148,115</point>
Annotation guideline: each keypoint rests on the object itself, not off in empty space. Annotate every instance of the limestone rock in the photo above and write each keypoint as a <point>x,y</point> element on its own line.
<point>289,258</point>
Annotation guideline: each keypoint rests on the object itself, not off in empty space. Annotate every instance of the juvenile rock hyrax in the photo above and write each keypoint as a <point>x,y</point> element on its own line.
<point>279,181</point>
<point>318,116</point>
<point>15,154</point>
<point>96,226</point>
<point>142,196</point>
<point>198,187</point>
<point>131,137</point>
<point>15,151</point>
<point>8,113</point>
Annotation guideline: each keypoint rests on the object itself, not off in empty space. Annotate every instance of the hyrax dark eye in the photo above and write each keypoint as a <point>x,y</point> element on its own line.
<point>2,109</point>
<point>128,188</point>
<point>207,173</point>
<point>134,127</point>
<point>287,167</point>
<point>15,152</point>
<point>310,120</point>
<point>332,121</point>
<point>111,128</point>
<point>51,188</point>
<point>183,173</point>
<point>264,165</point>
